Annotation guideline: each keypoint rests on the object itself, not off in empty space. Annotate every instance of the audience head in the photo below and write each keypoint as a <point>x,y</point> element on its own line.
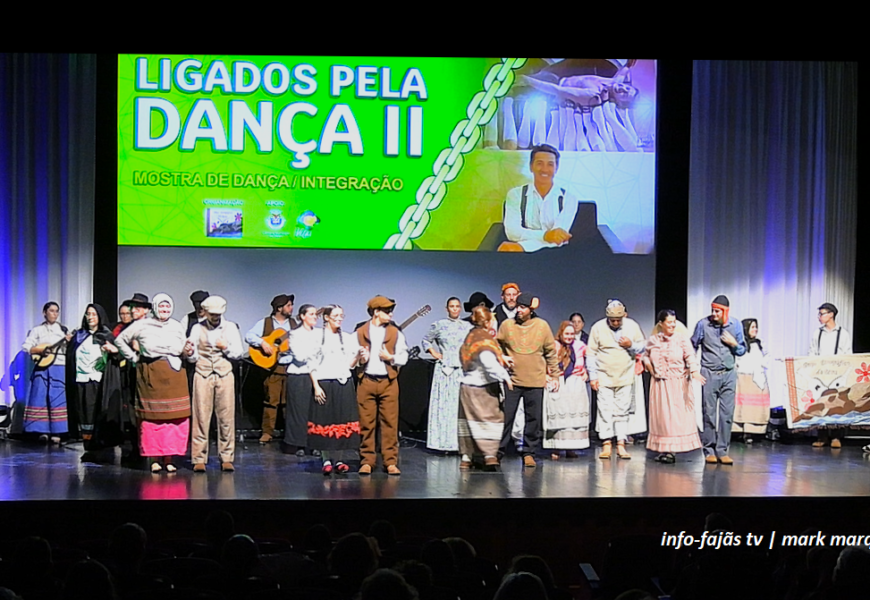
<point>128,543</point>
<point>384,532</point>
<point>240,554</point>
<point>521,586</point>
<point>89,579</point>
<point>386,584</point>
<point>463,552</point>
<point>219,527</point>
<point>536,565</point>
<point>439,557</point>
<point>318,538</point>
<point>353,556</point>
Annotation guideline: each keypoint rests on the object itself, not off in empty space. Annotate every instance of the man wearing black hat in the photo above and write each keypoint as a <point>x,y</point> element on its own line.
<point>828,340</point>
<point>721,340</point>
<point>197,314</point>
<point>187,322</point>
<point>384,351</point>
<point>528,342</point>
<point>274,386</point>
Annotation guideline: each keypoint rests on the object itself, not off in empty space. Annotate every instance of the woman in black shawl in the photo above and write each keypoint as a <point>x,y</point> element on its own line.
<point>93,382</point>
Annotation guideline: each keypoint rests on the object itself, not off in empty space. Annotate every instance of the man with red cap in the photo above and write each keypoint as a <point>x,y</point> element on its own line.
<point>721,340</point>
<point>384,352</point>
<point>508,307</point>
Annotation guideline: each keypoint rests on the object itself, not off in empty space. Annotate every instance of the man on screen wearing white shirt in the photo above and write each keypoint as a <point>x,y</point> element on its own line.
<point>539,215</point>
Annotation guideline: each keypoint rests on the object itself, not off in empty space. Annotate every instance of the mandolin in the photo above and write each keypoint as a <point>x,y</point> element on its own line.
<point>46,353</point>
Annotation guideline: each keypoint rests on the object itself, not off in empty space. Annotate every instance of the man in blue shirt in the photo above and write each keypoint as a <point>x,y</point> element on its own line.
<point>720,339</point>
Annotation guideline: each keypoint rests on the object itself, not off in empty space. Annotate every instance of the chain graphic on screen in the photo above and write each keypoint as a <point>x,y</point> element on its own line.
<point>482,108</point>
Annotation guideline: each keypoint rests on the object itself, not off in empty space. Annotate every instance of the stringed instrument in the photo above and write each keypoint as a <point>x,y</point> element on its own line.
<point>46,354</point>
<point>280,341</point>
<point>420,313</point>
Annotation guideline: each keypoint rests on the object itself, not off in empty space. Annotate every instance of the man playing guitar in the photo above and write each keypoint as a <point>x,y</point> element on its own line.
<point>268,339</point>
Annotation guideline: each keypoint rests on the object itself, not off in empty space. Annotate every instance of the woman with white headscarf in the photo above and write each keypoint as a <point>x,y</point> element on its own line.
<point>163,404</point>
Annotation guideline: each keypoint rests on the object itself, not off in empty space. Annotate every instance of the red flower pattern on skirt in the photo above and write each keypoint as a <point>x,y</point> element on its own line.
<point>338,430</point>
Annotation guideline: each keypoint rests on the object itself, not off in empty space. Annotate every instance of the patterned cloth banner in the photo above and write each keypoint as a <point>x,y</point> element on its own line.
<point>828,391</point>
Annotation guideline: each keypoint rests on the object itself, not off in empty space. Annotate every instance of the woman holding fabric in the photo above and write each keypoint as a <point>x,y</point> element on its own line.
<point>163,403</point>
<point>671,362</point>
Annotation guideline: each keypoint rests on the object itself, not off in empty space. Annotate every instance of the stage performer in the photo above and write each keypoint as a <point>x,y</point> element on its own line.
<point>828,340</point>
<point>378,391</point>
<point>671,361</point>
<point>481,419</point>
<point>614,342</point>
<point>211,345</point>
<point>539,215</point>
<point>752,401</point>
<point>94,382</point>
<point>197,314</point>
<point>304,343</point>
<point>480,299</point>
<point>507,309</point>
<point>442,341</point>
<point>579,323</point>
<point>721,340</point>
<point>45,412</point>
<point>333,425</point>
<point>125,317</point>
<point>566,411</point>
<point>528,342</point>
<point>274,387</point>
<point>187,322</point>
<point>163,404</point>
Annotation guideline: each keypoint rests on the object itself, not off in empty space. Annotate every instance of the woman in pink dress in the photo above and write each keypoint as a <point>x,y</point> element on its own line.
<point>671,361</point>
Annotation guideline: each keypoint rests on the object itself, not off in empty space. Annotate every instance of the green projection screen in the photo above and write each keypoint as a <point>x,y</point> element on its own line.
<point>375,152</point>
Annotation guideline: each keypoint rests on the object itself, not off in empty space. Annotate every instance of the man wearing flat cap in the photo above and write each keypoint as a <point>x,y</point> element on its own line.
<point>384,352</point>
<point>274,387</point>
<point>614,343</point>
<point>212,344</point>
<point>720,339</point>
<point>528,343</point>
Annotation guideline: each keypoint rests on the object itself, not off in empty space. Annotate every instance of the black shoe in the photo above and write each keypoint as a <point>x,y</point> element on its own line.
<point>300,453</point>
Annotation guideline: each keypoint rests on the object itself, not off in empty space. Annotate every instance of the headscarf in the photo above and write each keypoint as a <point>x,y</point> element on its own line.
<point>161,297</point>
<point>478,340</point>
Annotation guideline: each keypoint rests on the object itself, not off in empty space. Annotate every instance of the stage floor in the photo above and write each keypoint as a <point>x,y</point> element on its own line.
<point>36,472</point>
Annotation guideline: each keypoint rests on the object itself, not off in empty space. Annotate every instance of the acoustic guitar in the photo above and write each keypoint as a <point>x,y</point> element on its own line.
<point>420,313</point>
<point>280,341</point>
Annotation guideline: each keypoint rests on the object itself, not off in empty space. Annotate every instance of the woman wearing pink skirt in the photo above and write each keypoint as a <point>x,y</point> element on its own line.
<point>671,362</point>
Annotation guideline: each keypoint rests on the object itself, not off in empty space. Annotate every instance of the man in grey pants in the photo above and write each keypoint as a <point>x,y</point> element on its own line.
<point>720,339</point>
